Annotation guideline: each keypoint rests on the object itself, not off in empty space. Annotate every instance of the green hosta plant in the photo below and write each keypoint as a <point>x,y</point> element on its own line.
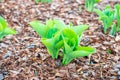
<point>4,29</point>
<point>117,14</point>
<point>37,1</point>
<point>110,19</point>
<point>107,17</point>
<point>57,36</point>
<point>89,4</point>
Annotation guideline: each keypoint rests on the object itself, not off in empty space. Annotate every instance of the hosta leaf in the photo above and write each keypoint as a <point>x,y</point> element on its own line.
<point>48,30</point>
<point>79,52</point>
<point>50,23</point>
<point>117,10</point>
<point>51,45</point>
<point>70,36</point>
<point>1,27</point>
<point>79,29</point>
<point>7,31</point>
<point>40,28</point>
<point>59,44</point>
<point>59,24</point>
<point>55,24</point>
<point>99,12</point>
<point>69,33</point>
<point>4,30</point>
<point>67,48</point>
<point>86,50</point>
<point>51,32</point>
<point>3,23</point>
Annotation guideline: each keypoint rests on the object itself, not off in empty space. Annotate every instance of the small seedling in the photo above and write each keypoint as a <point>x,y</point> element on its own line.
<point>89,4</point>
<point>56,35</point>
<point>109,51</point>
<point>106,16</point>
<point>117,14</point>
<point>4,29</point>
<point>110,19</point>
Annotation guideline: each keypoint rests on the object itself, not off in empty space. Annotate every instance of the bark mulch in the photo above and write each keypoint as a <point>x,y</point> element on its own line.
<point>23,57</point>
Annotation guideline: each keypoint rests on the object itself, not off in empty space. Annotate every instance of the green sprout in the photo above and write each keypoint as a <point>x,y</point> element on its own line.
<point>110,19</point>
<point>117,14</point>
<point>89,4</point>
<point>4,29</point>
<point>56,35</point>
<point>106,16</point>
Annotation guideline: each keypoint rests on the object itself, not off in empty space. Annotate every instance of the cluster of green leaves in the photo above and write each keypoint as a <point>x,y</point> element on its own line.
<point>89,4</point>
<point>4,29</point>
<point>37,1</point>
<point>117,15</point>
<point>57,36</point>
<point>106,16</point>
<point>110,19</point>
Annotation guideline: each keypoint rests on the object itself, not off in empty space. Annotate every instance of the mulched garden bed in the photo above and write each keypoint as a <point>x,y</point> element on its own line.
<point>23,57</point>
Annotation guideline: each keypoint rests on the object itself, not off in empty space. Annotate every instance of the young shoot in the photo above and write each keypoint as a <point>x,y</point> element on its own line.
<point>55,35</point>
